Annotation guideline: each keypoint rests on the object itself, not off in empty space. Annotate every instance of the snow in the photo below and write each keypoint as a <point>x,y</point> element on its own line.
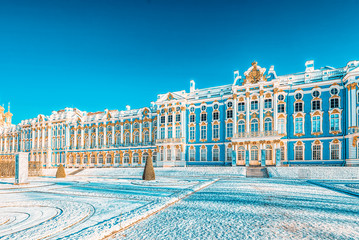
<point>84,207</point>
<point>255,209</point>
<point>182,203</point>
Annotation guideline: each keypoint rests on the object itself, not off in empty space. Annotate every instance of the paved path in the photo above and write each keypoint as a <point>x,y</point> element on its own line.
<point>255,209</point>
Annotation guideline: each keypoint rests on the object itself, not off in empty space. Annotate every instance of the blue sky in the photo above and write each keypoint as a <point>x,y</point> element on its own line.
<point>102,54</point>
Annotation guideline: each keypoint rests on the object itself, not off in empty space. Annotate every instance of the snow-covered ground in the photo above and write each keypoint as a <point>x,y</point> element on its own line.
<point>84,207</point>
<point>196,204</point>
<point>255,209</point>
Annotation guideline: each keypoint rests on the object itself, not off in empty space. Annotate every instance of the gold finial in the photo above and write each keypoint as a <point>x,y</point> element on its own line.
<point>254,64</point>
<point>8,108</point>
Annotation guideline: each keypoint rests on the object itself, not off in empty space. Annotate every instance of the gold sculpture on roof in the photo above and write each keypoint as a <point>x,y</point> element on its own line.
<point>255,75</point>
<point>5,118</point>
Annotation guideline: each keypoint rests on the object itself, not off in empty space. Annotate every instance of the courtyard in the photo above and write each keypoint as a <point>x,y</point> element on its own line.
<point>198,203</point>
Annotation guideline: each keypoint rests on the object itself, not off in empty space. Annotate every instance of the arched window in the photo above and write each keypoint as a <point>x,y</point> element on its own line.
<point>136,137</point>
<point>268,124</point>
<point>118,139</point>
<point>178,154</point>
<point>192,155</point>
<point>178,132</point>
<point>298,153</point>
<point>154,156</point>
<point>268,153</point>
<point>72,143</point>
<point>203,132</point>
<point>281,126</point>
<point>126,158</point>
<point>86,141</point>
<point>169,153</point>
<point>109,140</point>
<point>334,151</point>
<point>254,153</point>
<point>254,105</point>
<point>241,126</point>
<point>135,158</point>
<point>100,140</point>
<point>215,131</point>
<point>100,159</point>
<point>85,159</point>
<point>109,159</point>
<point>78,159</point>
<point>117,159</point>
<point>317,151</point>
<point>240,153</point>
<point>334,122</point>
<point>146,137</point>
<point>93,141</point>
<point>229,130</point>
<point>316,122</point>
<point>154,135</point>
<point>169,132</point>
<point>215,154</point>
<point>298,128</point>
<point>229,154</point>
<point>127,138</point>
<point>203,154</point>
<point>144,157</point>
<point>254,125</point>
<point>93,159</point>
<point>79,140</point>
<point>71,159</point>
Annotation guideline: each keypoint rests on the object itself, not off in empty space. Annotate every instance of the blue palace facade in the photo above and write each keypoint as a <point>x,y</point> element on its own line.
<point>306,118</point>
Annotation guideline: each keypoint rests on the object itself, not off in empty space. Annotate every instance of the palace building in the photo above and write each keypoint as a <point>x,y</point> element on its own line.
<point>306,118</point>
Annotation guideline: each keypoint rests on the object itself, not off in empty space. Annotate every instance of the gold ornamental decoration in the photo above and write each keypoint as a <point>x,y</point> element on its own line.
<point>255,75</point>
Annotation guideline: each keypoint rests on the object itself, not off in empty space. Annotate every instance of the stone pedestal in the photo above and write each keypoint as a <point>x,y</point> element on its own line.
<point>21,168</point>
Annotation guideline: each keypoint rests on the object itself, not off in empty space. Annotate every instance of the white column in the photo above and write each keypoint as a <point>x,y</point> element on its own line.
<point>158,126</point>
<point>121,132</point>
<point>166,122</point>
<point>353,107</point>
<point>150,131</point>
<point>75,139</point>
<point>275,110</point>
<point>38,138</point>
<point>49,138</point>
<point>67,137</point>
<point>247,114</point>
<point>96,136</point>
<point>173,124</point>
<point>131,132</point>
<point>113,134</point>
<point>261,106</point>
<point>349,106</point>
<point>43,137</point>
<point>13,144</point>
<point>140,130</point>
<point>235,103</point>
<point>33,138</point>
<point>105,136</point>
<point>82,138</point>
<point>21,142</point>
<point>183,122</point>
